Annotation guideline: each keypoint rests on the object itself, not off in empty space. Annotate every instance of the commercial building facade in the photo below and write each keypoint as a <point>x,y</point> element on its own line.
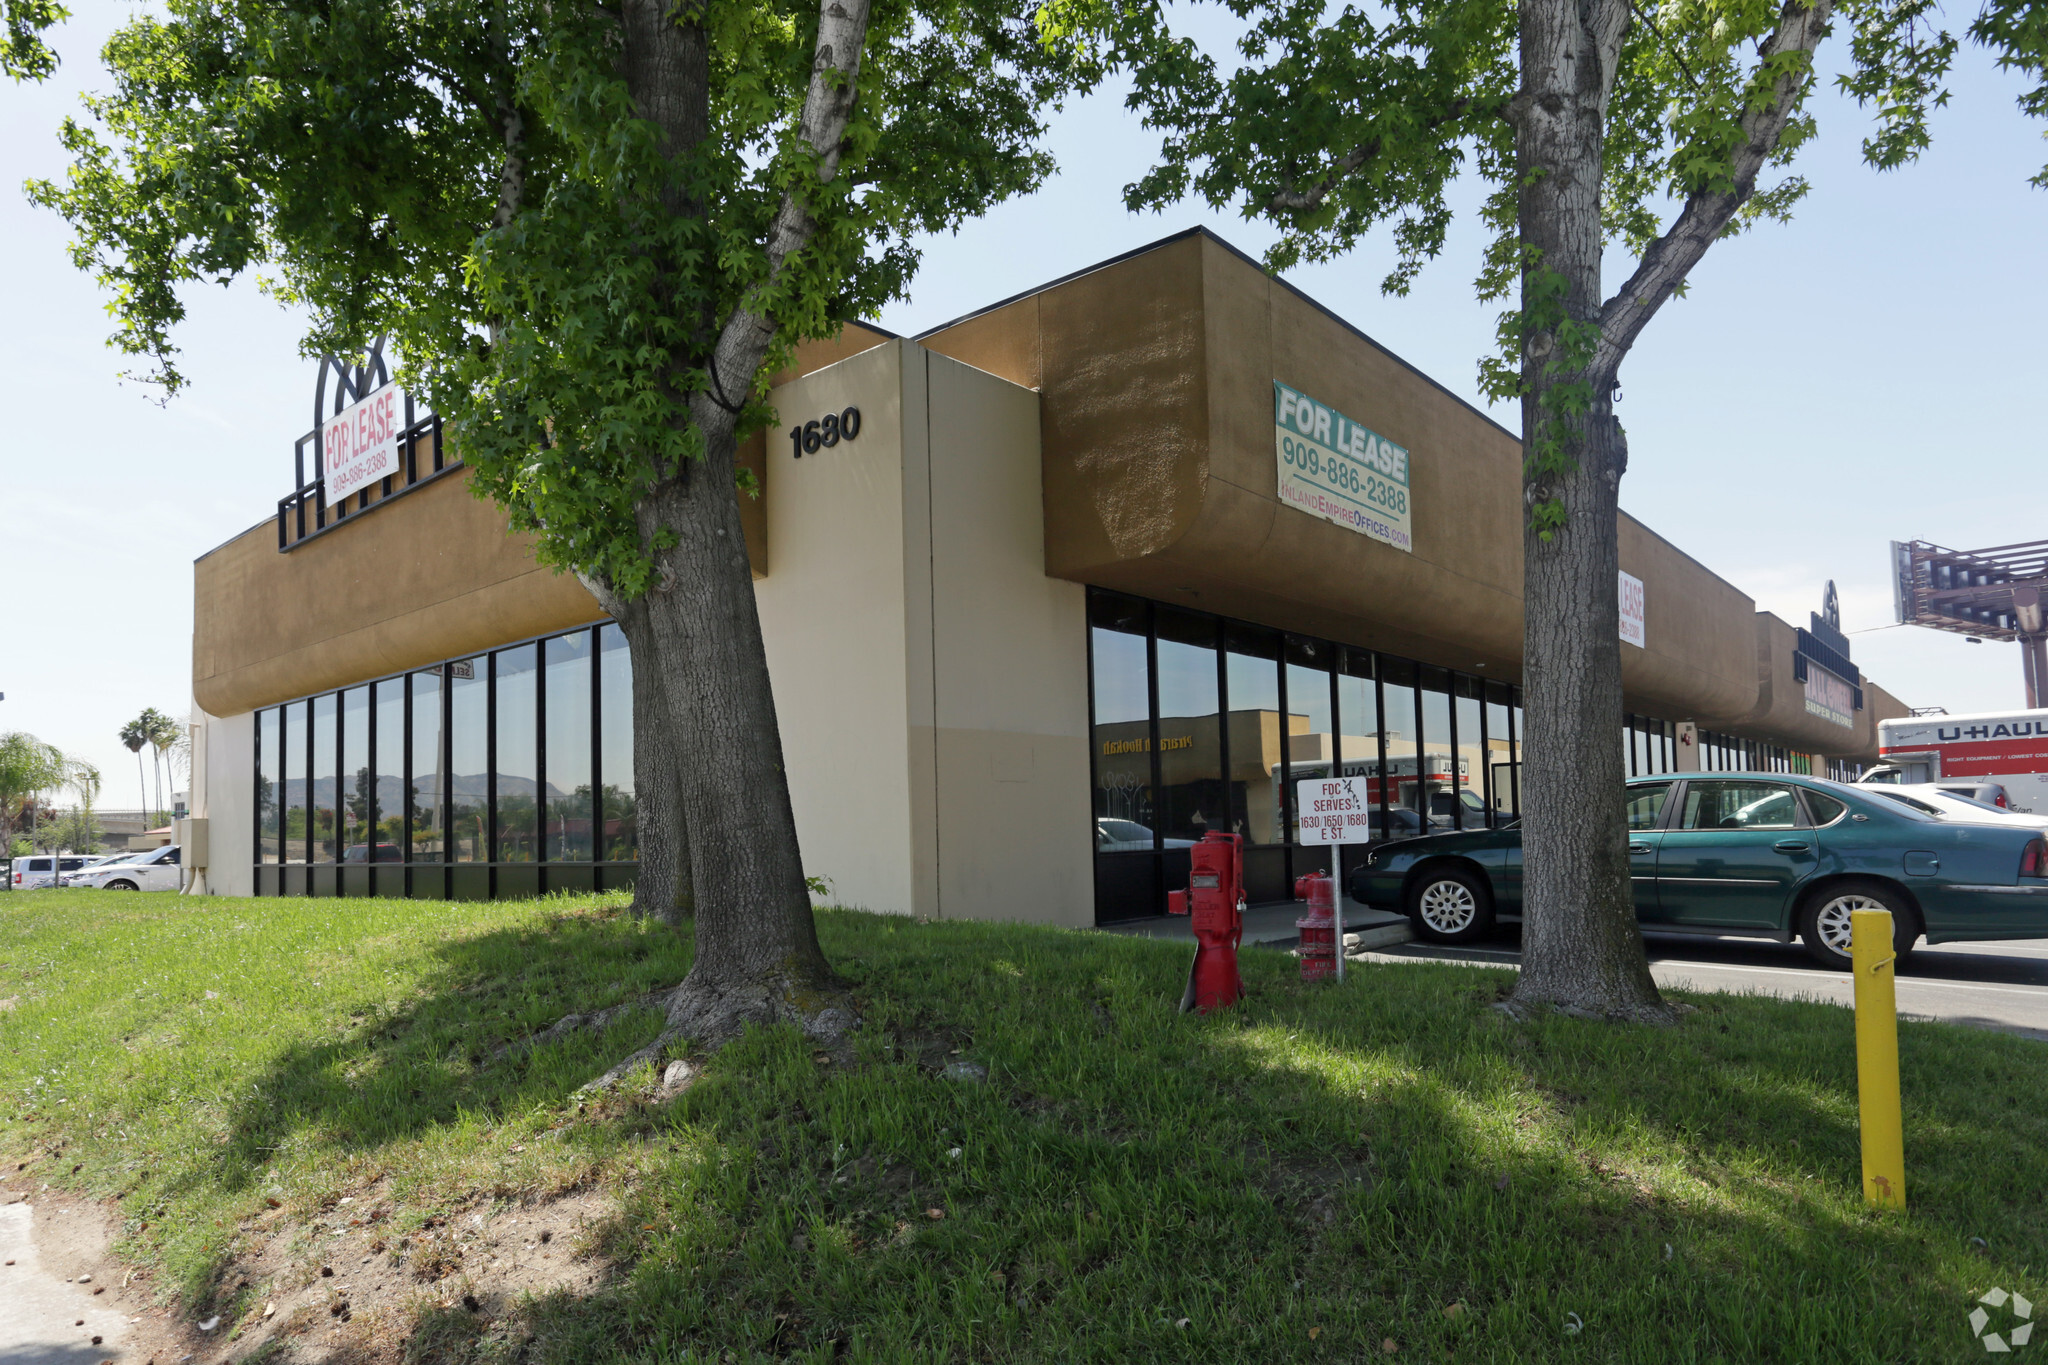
<point>1078,578</point>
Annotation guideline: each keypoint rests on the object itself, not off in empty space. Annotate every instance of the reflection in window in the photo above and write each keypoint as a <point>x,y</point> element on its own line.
<point>1358,721</point>
<point>326,785</point>
<point>1123,730</point>
<point>1739,805</point>
<point>1311,734</point>
<point>1644,804</point>
<point>1435,790</point>
<point>269,784</point>
<point>517,792</point>
<point>567,830</point>
<point>615,745</point>
<point>294,782</point>
<point>1190,729</point>
<point>1252,676</point>
<point>1471,768</point>
<point>425,801</point>
<point>469,759</point>
<point>1500,755</point>
<point>353,812</point>
<point>388,843</point>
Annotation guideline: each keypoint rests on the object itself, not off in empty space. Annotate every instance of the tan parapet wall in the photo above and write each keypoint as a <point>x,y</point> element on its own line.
<point>1156,373</point>
<point>1779,714</point>
<point>417,578</point>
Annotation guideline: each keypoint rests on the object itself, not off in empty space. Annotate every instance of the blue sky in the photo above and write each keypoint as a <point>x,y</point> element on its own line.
<point>1870,372</point>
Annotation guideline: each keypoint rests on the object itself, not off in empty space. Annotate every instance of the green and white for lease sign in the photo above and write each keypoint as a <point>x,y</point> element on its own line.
<point>1333,468</point>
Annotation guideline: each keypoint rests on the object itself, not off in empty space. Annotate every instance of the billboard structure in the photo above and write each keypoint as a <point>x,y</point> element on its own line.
<point>1991,594</point>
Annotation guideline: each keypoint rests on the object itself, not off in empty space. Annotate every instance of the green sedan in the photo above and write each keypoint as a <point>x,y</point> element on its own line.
<point>1759,854</point>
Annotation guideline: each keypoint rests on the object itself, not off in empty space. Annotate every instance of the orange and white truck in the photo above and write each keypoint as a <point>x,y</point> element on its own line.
<point>2009,748</point>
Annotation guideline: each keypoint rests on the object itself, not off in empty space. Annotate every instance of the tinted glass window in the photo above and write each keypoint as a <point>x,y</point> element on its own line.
<point>326,790</point>
<point>1123,711</point>
<point>1739,805</point>
<point>469,764</point>
<point>293,783</point>
<point>1190,726</point>
<point>568,749</point>
<point>424,796</point>
<point>1500,754</point>
<point>1397,698</point>
<point>615,745</point>
<point>269,772</point>
<point>388,790</point>
<point>518,768</point>
<point>1645,803</point>
<point>1253,661</point>
<point>358,782</point>
<point>1471,765</point>
<point>1311,732</point>
<point>1824,809</point>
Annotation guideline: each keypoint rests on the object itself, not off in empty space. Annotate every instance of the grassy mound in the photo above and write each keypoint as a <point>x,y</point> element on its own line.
<point>1387,1169</point>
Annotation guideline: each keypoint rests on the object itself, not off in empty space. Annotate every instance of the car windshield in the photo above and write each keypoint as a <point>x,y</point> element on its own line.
<point>1123,829</point>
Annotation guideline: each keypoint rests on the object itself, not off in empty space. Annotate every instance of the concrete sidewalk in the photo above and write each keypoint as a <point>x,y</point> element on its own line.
<point>45,1319</point>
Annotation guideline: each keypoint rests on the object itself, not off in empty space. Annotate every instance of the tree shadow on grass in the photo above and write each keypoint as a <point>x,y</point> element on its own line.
<point>1311,1176</point>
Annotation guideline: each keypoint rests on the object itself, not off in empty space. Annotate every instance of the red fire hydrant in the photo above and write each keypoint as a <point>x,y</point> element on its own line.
<point>1320,960</point>
<point>1215,907</point>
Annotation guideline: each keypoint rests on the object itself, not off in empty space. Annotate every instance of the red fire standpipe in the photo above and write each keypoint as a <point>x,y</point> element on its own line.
<point>1320,960</point>
<point>1215,901</point>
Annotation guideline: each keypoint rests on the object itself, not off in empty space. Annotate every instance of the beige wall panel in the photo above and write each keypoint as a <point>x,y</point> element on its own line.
<point>429,575</point>
<point>832,615</point>
<point>1010,667</point>
<point>225,794</point>
<point>915,589</point>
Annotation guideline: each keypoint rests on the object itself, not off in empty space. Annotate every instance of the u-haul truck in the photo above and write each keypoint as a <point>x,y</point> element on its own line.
<point>2006,747</point>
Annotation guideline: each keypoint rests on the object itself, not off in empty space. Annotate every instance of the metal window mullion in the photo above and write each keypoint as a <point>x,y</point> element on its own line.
<point>596,808</point>
<point>490,839</point>
<point>1152,746</point>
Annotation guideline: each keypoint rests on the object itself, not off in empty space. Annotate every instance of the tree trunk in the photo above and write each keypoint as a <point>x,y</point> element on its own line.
<point>1581,947</point>
<point>698,637</point>
<point>662,885</point>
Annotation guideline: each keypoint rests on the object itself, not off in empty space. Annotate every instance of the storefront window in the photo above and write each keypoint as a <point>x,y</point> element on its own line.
<point>357,783</point>
<point>620,818</point>
<point>469,759</point>
<point>1252,675</point>
<point>1190,729</point>
<point>517,771</point>
<point>387,842</point>
<point>1127,882</point>
<point>326,790</point>
<point>1439,769</point>
<point>1397,708</point>
<point>292,781</point>
<point>1311,745</point>
<point>1500,754</point>
<point>425,805</point>
<point>269,785</point>
<point>1468,706</point>
<point>567,828</point>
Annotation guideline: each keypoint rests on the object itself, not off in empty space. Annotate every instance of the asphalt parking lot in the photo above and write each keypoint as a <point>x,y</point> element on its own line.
<point>1983,985</point>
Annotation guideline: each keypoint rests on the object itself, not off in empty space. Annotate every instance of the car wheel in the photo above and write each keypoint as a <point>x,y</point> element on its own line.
<point>119,886</point>
<point>1450,905</point>
<point>1824,922</point>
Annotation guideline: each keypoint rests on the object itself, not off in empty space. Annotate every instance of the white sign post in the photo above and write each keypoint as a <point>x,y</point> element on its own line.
<point>359,444</point>
<point>1333,468</point>
<point>1632,632</point>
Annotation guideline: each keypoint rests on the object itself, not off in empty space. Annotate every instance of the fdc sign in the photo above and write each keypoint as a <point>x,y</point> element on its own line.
<point>1334,810</point>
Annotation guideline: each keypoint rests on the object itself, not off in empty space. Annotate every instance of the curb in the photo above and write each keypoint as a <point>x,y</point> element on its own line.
<point>1384,936</point>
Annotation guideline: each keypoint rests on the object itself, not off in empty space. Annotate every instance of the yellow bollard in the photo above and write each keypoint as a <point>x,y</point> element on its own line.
<point>1877,1058</point>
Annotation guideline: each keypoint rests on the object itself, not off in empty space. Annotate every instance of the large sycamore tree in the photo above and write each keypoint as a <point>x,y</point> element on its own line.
<point>1650,129</point>
<point>592,230</point>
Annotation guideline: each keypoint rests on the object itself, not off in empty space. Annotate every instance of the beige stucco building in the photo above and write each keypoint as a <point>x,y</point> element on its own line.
<point>1090,572</point>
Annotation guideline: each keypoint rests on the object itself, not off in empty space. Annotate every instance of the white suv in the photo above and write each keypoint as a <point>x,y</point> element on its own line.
<point>38,870</point>
<point>157,870</point>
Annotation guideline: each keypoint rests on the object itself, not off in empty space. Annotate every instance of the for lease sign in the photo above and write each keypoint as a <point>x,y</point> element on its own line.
<point>1334,810</point>
<point>359,444</point>
<point>1632,610</point>
<point>1333,468</point>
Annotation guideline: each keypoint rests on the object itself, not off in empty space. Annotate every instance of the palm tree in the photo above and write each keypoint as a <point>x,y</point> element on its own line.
<point>27,766</point>
<point>162,733</point>
<point>135,734</point>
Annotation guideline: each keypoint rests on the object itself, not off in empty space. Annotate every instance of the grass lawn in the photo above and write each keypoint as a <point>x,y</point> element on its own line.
<point>1385,1170</point>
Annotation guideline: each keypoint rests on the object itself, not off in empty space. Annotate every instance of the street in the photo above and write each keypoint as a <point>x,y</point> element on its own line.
<point>1984,985</point>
